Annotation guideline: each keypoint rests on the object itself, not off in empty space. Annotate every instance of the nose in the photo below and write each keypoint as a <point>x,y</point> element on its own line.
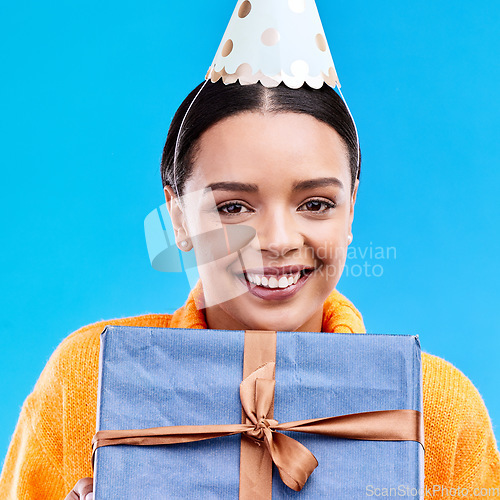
<point>278,233</point>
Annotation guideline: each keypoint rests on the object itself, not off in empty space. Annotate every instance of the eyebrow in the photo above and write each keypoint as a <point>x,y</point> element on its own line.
<point>253,188</point>
<point>320,182</point>
<point>232,186</point>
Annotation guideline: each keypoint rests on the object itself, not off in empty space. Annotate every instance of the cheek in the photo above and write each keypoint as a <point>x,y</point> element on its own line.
<point>330,251</point>
<point>329,240</point>
<point>219,285</point>
<point>202,223</point>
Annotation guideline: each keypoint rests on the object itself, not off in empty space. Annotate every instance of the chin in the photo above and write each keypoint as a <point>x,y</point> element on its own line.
<point>269,321</point>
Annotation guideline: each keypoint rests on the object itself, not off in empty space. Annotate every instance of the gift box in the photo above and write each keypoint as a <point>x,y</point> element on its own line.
<point>355,400</point>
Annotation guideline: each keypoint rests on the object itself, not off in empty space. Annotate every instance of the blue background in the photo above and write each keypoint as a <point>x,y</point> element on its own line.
<point>88,90</point>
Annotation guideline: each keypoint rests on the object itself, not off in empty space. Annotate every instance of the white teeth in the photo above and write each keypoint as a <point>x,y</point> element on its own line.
<point>273,281</point>
<point>283,282</point>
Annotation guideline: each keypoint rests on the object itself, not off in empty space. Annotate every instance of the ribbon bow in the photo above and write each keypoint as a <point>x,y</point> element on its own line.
<point>294,461</point>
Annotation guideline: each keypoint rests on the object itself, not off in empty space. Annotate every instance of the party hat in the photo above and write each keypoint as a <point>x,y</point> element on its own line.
<point>274,41</point>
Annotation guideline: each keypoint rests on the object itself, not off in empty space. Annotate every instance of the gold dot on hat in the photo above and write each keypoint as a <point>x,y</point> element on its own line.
<point>321,42</point>
<point>244,70</point>
<point>245,9</point>
<point>331,78</point>
<point>227,49</point>
<point>270,37</point>
<point>297,6</point>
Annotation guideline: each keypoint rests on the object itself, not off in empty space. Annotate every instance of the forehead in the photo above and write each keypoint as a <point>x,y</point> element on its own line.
<point>269,147</point>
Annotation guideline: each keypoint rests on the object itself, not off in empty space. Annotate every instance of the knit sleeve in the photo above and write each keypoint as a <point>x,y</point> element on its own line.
<point>33,465</point>
<point>28,471</point>
<point>461,450</point>
<point>477,460</point>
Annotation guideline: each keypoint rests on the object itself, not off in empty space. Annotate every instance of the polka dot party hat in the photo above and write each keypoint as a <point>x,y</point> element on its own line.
<point>274,41</point>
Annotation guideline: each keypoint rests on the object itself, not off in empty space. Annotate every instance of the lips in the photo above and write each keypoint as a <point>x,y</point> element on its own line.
<point>277,271</point>
<point>275,283</point>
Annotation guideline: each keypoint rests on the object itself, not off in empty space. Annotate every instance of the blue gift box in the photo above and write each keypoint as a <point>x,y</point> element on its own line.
<point>154,377</point>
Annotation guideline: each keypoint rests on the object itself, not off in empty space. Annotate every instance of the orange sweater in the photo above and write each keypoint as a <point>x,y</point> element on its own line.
<point>50,449</point>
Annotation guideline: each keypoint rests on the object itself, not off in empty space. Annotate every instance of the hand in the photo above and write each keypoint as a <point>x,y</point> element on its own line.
<point>82,491</point>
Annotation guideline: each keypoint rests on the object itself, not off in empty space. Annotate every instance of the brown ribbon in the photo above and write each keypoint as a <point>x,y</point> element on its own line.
<point>294,461</point>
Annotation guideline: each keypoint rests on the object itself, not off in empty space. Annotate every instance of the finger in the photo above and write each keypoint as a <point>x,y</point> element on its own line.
<point>81,489</point>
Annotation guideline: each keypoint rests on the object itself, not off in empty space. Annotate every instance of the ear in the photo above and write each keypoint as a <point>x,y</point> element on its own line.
<point>351,210</point>
<point>178,220</point>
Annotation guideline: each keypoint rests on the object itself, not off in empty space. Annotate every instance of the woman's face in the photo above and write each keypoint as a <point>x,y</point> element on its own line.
<point>287,176</point>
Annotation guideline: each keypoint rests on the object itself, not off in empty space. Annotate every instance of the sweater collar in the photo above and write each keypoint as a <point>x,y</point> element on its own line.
<point>339,314</point>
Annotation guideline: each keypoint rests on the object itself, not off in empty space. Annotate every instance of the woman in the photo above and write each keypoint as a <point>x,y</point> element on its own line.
<point>284,162</point>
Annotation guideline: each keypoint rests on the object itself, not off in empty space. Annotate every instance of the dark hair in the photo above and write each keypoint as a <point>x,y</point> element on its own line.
<point>217,100</point>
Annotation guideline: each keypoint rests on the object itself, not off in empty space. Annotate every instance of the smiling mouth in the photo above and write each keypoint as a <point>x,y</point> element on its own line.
<point>270,286</point>
<point>276,281</point>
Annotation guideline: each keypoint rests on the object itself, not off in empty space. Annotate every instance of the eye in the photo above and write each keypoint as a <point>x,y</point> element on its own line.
<point>232,208</point>
<point>317,205</point>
